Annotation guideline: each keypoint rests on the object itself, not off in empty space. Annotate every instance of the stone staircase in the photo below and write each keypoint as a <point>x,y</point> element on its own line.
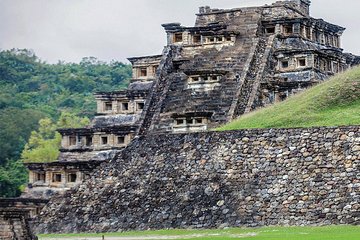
<point>231,61</point>
<point>160,88</point>
<point>250,82</point>
<point>241,80</point>
<point>260,73</point>
<point>241,66</point>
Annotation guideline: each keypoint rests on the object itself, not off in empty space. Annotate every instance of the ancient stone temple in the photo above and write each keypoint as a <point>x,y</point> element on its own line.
<point>15,217</point>
<point>84,149</point>
<point>235,60</point>
<point>231,62</point>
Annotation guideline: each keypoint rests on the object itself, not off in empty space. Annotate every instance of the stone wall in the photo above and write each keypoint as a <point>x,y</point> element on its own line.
<point>236,60</point>
<point>14,221</point>
<point>48,179</point>
<point>229,61</point>
<point>14,225</point>
<point>217,179</point>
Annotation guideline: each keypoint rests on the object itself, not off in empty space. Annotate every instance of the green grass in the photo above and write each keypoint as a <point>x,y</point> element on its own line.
<point>267,233</point>
<point>335,102</point>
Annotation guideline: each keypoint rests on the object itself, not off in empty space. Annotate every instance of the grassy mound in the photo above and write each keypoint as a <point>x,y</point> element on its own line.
<point>335,102</point>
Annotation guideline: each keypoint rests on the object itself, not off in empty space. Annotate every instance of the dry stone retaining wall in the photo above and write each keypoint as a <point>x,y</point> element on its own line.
<point>14,225</point>
<point>205,180</point>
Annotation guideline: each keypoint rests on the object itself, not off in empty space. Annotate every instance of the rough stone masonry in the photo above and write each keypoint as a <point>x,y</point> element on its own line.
<point>14,219</point>
<point>230,62</point>
<point>217,179</point>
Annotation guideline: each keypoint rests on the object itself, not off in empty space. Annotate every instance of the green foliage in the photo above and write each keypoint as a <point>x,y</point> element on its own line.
<point>70,120</point>
<point>12,177</point>
<point>41,150</point>
<point>335,102</point>
<point>15,128</point>
<point>44,144</point>
<point>26,82</point>
<point>32,89</point>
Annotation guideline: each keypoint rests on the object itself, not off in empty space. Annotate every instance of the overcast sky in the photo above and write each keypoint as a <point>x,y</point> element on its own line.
<point>116,29</point>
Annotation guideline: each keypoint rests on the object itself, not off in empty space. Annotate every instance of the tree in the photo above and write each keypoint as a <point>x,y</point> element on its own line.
<point>70,120</point>
<point>44,144</point>
<point>12,177</point>
<point>32,90</point>
<point>15,128</point>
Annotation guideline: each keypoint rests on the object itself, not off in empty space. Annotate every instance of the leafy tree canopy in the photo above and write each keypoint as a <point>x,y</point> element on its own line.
<point>12,177</point>
<point>44,144</point>
<point>32,90</point>
<point>15,128</point>
<point>27,82</point>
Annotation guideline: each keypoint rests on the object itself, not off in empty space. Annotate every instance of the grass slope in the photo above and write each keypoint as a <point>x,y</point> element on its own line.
<point>267,233</point>
<point>335,102</point>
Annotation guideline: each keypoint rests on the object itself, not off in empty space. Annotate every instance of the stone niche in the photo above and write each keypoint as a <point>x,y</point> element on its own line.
<point>194,39</point>
<point>314,30</point>
<point>103,140</point>
<point>199,36</point>
<point>81,138</point>
<point>55,175</point>
<point>144,68</point>
<point>96,139</point>
<point>47,178</point>
<point>311,60</point>
<point>120,106</point>
<point>121,102</point>
<point>191,122</point>
<point>203,83</point>
<point>294,62</point>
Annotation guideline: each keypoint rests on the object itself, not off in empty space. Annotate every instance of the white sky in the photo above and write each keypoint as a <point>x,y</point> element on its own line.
<point>116,29</point>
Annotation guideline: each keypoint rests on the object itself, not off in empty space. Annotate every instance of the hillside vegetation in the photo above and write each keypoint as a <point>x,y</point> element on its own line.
<point>335,102</point>
<point>31,89</point>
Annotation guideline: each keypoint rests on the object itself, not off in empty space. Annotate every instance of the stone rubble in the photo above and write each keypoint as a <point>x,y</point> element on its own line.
<point>218,179</point>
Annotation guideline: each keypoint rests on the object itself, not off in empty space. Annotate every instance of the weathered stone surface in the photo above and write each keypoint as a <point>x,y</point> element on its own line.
<point>48,179</point>
<point>14,225</point>
<point>206,180</point>
<point>15,216</point>
<point>235,60</point>
<point>230,62</point>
